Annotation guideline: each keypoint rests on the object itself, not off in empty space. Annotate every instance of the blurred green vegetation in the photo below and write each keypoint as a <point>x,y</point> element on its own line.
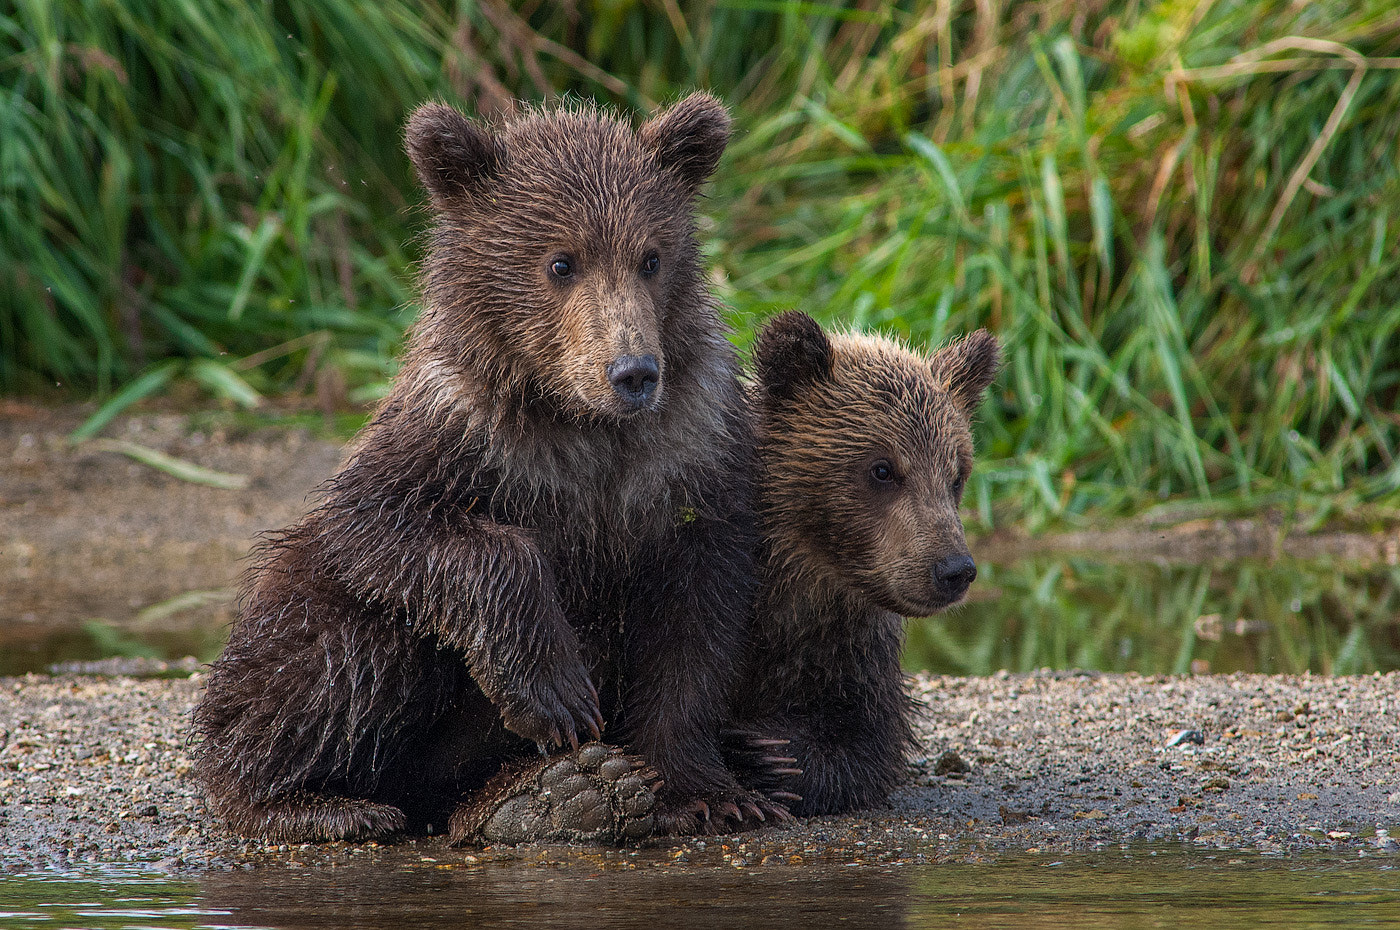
<point>1177,216</point>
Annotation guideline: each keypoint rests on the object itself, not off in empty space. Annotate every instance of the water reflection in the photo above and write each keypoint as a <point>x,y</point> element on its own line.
<point>32,647</point>
<point>1176,890</point>
<point>524,896</point>
<point>1283,617</point>
<point>1059,612</point>
<point>1137,888</point>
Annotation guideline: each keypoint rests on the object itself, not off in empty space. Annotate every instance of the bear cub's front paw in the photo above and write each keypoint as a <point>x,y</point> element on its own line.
<point>555,709</point>
<point>596,794</point>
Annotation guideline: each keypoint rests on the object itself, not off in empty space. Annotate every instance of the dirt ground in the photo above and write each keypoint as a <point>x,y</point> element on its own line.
<point>94,767</point>
<point>88,533</point>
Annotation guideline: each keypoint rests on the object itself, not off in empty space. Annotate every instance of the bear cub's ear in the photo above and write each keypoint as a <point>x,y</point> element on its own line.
<point>966,367</point>
<point>452,155</point>
<point>688,137</point>
<point>791,351</point>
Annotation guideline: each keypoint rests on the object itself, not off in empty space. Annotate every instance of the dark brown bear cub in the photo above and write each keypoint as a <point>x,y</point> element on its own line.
<point>544,533</point>
<point>863,450</point>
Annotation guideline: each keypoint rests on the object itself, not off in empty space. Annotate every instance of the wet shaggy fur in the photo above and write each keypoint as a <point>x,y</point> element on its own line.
<point>544,534</point>
<point>864,449</point>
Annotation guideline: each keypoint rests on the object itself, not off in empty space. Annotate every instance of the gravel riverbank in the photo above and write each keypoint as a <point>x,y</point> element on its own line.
<point>96,769</point>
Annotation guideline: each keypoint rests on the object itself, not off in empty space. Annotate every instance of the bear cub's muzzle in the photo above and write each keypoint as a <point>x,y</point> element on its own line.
<point>952,576</point>
<point>634,378</point>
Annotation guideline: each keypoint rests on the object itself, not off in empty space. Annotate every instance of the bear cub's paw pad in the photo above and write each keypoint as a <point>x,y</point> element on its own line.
<point>597,794</point>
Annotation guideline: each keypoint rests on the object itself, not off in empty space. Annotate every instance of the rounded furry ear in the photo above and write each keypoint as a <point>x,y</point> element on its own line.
<point>688,137</point>
<point>452,155</point>
<point>966,367</point>
<point>791,351</point>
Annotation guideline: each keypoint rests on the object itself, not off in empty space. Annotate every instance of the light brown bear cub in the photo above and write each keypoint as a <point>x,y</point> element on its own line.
<point>864,449</point>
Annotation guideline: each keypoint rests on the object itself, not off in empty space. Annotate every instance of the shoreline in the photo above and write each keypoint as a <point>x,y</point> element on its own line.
<point>88,533</point>
<point>95,770</point>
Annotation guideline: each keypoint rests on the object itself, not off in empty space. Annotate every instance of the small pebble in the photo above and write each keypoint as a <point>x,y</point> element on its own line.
<point>952,764</point>
<point>1181,737</point>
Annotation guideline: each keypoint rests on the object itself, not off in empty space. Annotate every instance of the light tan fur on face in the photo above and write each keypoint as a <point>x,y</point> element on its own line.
<point>607,316</point>
<point>572,470</point>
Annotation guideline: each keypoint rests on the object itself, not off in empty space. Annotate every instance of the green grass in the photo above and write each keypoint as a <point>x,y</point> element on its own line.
<point>1179,217</point>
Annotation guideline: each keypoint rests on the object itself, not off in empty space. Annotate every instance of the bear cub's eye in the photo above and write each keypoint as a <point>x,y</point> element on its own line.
<point>561,266</point>
<point>883,472</point>
<point>651,264</point>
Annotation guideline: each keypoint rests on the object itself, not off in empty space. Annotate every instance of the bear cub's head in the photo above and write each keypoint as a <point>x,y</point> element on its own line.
<point>865,448</point>
<point>563,265</point>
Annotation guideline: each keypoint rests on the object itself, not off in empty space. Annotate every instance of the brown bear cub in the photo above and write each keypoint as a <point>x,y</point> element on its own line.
<point>545,533</point>
<point>863,449</point>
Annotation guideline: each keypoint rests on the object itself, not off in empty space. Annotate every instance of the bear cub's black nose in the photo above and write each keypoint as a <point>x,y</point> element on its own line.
<point>955,573</point>
<point>634,377</point>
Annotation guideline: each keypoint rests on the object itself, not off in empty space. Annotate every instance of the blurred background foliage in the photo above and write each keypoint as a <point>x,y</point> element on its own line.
<point>1181,218</point>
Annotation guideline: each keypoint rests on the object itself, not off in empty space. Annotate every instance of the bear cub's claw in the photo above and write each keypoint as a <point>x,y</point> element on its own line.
<point>595,794</point>
<point>557,710</point>
<point>734,813</point>
<point>763,763</point>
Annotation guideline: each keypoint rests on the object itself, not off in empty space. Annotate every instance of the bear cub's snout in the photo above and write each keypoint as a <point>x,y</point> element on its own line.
<point>634,378</point>
<point>952,576</point>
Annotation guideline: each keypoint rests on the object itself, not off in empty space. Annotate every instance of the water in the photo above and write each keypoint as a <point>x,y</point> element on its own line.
<point>35,648</point>
<point>1136,888</point>
<point>1084,612</point>
<point>1051,612</point>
